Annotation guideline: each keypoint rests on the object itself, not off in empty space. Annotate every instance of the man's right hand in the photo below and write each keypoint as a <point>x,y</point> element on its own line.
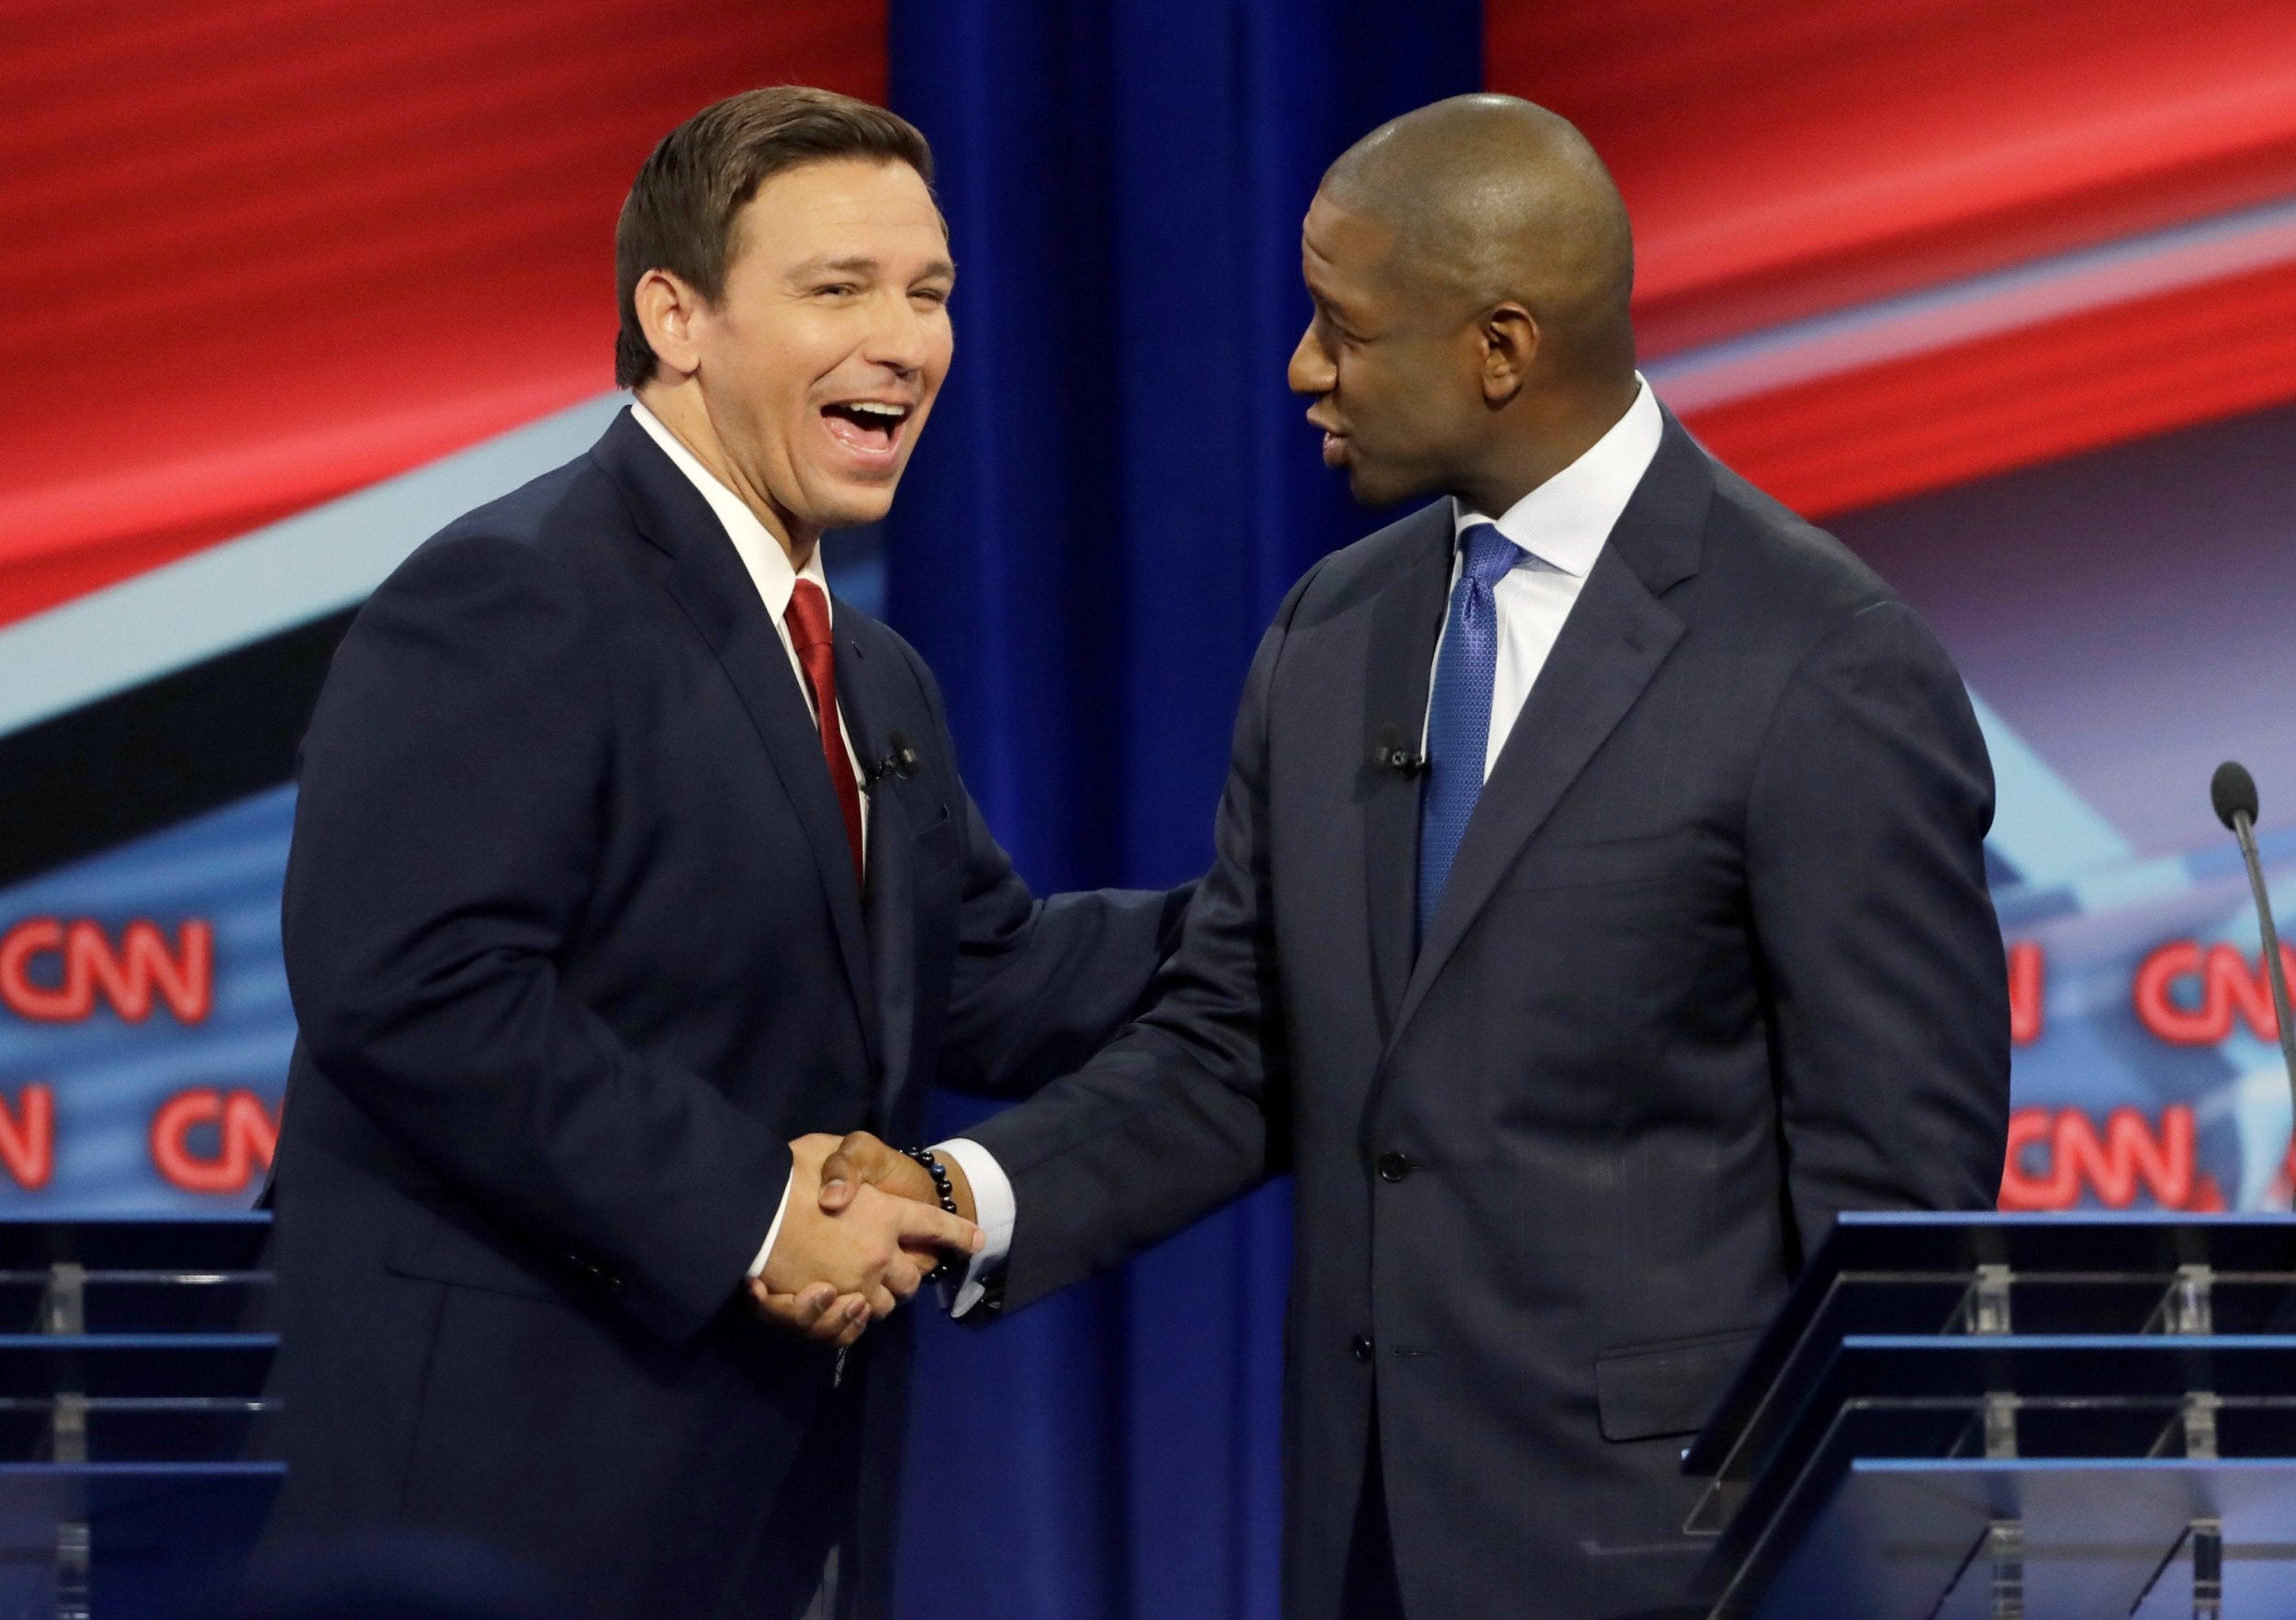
<point>872,1243</point>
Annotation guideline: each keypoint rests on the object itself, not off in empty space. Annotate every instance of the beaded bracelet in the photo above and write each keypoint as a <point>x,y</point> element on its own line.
<point>948,1194</point>
<point>934,1168</point>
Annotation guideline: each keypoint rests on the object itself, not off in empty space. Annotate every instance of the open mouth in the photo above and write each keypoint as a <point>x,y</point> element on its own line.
<point>871,427</point>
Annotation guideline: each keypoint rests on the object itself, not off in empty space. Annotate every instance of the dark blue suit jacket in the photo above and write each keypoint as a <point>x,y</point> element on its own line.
<point>1716,961</point>
<point>576,947</point>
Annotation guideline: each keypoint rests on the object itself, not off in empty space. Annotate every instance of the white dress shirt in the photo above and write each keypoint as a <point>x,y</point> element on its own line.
<point>770,572</point>
<point>1562,528</point>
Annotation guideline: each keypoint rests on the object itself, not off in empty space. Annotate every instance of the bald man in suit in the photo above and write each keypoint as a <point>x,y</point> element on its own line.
<point>1600,907</point>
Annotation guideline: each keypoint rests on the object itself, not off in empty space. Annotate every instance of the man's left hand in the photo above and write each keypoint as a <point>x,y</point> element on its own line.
<point>861,1160</point>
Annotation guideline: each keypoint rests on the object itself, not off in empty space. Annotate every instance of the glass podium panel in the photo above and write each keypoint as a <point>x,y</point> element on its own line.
<point>2013,1417</point>
<point>133,1357</point>
<point>1908,1539</point>
<point>1909,1273</point>
<point>2095,1370</point>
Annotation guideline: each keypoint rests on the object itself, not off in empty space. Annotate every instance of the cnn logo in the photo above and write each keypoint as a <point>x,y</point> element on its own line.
<point>54,973</point>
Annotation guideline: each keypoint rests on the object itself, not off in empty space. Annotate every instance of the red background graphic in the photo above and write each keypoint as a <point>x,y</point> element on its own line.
<point>261,253</point>
<point>1791,159</point>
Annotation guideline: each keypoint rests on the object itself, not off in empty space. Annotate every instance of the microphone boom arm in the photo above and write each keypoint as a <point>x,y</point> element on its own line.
<point>2275,969</point>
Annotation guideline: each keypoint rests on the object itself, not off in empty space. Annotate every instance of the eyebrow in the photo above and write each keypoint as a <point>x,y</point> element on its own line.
<point>862,264</point>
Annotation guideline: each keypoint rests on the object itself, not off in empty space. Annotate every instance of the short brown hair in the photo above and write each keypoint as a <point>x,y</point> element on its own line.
<point>680,211</point>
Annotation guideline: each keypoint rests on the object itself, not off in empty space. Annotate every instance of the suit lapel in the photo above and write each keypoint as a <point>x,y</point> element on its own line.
<point>889,903</point>
<point>1406,617</point>
<point>717,595</point>
<point>1617,635</point>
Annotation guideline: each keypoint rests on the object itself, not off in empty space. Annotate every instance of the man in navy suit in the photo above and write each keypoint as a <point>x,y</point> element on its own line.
<point>628,872</point>
<point>1600,907</point>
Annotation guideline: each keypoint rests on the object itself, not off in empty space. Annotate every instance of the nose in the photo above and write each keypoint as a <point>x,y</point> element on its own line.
<point>1310,371</point>
<point>900,336</point>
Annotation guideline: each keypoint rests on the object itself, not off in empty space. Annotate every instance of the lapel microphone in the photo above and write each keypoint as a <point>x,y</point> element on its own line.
<point>1389,754</point>
<point>900,761</point>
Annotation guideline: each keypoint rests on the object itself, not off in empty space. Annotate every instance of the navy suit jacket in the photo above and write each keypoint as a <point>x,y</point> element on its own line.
<point>1716,960</point>
<point>576,947</point>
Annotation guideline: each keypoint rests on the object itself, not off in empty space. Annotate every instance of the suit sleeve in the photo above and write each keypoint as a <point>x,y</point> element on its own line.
<point>447,836</point>
<point>1190,1107</point>
<point>1040,985</point>
<point>1877,938</point>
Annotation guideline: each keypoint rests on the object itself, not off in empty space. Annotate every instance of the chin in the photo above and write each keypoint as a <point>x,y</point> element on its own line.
<point>1372,491</point>
<point>854,507</point>
<point>1375,487</point>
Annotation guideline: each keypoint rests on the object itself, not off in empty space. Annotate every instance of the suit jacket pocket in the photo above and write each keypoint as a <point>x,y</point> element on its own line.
<point>425,1243</point>
<point>1645,1391</point>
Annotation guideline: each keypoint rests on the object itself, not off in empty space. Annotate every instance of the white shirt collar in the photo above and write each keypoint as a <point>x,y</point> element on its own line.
<point>761,553</point>
<point>1565,522</point>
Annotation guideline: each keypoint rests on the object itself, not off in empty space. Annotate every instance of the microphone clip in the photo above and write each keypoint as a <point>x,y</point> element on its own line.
<point>900,762</point>
<point>1387,753</point>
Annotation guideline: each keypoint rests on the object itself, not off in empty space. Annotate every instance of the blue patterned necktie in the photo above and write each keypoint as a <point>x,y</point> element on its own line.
<point>1459,711</point>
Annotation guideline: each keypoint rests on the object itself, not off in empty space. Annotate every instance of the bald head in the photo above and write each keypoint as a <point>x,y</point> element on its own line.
<point>1505,201</point>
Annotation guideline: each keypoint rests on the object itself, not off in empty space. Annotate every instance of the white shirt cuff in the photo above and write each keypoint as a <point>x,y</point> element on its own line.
<point>993,1211</point>
<point>757,1267</point>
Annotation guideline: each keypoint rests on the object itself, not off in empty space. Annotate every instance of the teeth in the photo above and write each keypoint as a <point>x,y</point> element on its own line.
<point>871,408</point>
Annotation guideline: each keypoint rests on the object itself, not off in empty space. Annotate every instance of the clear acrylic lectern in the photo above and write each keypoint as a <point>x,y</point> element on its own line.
<point>132,1373</point>
<point>2013,1417</point>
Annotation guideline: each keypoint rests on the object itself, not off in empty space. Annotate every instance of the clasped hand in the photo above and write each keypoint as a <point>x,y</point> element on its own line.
<point>856,1239</point>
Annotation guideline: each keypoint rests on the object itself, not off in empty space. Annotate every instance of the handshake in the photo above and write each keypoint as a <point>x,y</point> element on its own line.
<point>862,1230</point>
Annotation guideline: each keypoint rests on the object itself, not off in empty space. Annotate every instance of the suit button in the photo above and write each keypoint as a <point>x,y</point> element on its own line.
<point>1393,1167</point>
<point>1360,1347</point>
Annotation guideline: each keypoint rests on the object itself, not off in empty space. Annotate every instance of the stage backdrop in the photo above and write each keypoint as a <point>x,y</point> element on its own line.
<point>2007,300</point>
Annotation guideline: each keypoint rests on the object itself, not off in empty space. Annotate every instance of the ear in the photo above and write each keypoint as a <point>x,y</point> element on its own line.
<point>668,310</point>
<point>1509,341</point>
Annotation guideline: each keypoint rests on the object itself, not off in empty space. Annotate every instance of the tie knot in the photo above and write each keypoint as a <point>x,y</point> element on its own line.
<point>1487,555</point>
<point>808,616</point>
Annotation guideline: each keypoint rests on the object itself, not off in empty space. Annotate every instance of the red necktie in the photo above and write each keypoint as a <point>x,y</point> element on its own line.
<point>808,622</point>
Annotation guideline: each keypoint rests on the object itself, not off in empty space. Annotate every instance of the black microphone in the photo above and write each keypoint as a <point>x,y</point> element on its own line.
<point>1387,753</point>
<point>2233,792</point>
<point>900,761</point>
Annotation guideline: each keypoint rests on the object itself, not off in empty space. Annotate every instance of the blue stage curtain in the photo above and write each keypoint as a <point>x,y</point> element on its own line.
<point>1115,493</point>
